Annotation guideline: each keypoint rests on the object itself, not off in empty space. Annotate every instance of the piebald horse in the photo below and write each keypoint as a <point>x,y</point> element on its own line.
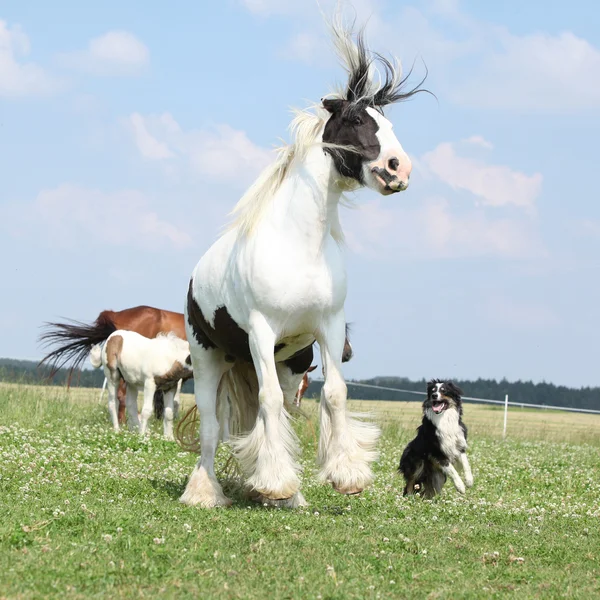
<point>158,363</point>
<point>275,283</point>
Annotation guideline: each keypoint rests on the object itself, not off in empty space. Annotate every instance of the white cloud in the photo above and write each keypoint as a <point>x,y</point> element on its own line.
<point>433,231</point>
<point>558,73</point>
<point>70,216</point>
<point>20,78</point>
<point>494,185</point>
<point>221,152</point>
<point>148,146</point>
<point>114,53</point>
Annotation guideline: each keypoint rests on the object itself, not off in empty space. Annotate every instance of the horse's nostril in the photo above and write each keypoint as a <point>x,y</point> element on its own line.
<point>393,164</point>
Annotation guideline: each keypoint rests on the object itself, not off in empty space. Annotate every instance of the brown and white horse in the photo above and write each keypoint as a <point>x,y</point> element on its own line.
<point>74,339</point>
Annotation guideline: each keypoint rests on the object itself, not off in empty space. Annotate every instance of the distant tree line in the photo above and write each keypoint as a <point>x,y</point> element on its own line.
<point>28,372</point>
<point>548,394</point>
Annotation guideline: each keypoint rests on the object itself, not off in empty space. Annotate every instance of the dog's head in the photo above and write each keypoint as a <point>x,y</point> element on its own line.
<point>442,395</point>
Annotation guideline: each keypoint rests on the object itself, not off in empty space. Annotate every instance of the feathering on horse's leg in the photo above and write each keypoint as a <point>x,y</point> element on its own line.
<point>203,488</point>
<point>132,407</point>
<point>346,444</point>
<point>169,415</point>
<point>267,454</point>
<point>289,382</point>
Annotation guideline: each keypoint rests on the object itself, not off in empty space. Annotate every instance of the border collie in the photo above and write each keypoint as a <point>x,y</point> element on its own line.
<point>441,440</point>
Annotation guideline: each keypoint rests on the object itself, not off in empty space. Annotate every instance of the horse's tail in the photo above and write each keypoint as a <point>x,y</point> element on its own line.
<point>74,341</point>
<point>96,356</point>
<point>240,386</point>
<point>159,404</point>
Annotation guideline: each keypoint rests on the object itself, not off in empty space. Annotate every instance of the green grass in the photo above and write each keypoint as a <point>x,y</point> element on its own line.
<point>87,513</point>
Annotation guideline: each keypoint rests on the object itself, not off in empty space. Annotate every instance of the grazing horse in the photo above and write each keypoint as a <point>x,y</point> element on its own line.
<point>275,283</point>
<point>151,364</point>
<point>77,339</point>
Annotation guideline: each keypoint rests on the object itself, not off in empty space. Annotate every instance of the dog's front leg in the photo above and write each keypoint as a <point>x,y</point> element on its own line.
<point>464,461</point>
<point>451,472</point>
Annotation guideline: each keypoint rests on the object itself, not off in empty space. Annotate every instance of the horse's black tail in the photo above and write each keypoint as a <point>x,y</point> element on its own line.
<point>159,404</point>
<point>74,341</point>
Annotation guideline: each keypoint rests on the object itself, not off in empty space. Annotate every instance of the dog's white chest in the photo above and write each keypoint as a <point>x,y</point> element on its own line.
<point>449,433</point>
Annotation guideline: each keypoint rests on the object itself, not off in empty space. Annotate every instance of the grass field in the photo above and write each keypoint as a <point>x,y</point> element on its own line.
<point>87,513</point>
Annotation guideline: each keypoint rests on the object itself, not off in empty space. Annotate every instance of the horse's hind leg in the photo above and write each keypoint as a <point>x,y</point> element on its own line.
<point>121,397</point>
<point>149,389</point>
<point>112,382</point>
<point>177,399</point>
<point>266,454</point>
<point>132,408</point>
<point>168,416</point>
<point>346,445</point>
<point>202,488</point>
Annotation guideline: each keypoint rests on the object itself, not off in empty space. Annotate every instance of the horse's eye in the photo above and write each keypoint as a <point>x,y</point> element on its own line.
<point>357,121</point>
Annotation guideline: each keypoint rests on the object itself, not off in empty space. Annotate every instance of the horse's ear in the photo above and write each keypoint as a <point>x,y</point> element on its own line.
<point>333,105</point>
<point>188,360</point>
<point>311,369</point>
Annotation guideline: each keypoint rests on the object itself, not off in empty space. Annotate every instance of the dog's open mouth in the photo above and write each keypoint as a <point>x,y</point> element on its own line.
<point>438,406</point>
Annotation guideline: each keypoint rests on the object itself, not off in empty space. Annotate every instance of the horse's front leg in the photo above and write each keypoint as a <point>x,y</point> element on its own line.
<point>346,445</point>
<point>202,488</point>
<point>177,399</point>
<point>168,416</point>
<point>132,408</point>
<point>267,454</point>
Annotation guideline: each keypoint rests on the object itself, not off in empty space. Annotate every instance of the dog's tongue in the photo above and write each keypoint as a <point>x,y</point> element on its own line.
<point>438,407</point>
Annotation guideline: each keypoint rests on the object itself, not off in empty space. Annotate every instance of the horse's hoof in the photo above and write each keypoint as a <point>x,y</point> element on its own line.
<point>347,491</point>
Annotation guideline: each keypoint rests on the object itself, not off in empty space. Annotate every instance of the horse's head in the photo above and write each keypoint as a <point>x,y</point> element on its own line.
<point>359,138</point>
<point>364,148</point>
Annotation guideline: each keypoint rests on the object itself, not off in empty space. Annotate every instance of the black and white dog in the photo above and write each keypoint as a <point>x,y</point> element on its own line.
<point>441,440</point>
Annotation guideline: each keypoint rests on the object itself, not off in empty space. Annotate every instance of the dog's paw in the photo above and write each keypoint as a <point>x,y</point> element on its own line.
<point>460,487</point>
<point>469,481</point>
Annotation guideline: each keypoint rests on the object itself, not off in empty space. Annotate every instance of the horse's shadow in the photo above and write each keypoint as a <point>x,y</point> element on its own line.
<point>170,488</point>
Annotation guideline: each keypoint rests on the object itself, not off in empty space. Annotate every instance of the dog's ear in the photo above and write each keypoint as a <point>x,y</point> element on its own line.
<point>452,387</point>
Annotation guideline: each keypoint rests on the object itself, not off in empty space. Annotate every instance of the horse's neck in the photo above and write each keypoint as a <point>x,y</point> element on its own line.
<point>306,204</point>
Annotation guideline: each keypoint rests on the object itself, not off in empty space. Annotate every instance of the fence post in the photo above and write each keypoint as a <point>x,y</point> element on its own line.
<point>505,415</point>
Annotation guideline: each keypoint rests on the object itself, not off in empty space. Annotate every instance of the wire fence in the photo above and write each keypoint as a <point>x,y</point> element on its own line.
<point>471,398</point>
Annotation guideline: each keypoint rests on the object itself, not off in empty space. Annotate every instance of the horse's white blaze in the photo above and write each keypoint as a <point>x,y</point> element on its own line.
<point>390,150</point>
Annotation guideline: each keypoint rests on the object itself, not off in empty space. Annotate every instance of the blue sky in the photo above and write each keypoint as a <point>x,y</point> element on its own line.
<point>129,130</point>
